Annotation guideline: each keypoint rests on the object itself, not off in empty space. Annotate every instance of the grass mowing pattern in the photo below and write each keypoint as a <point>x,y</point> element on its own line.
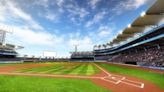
<point>158,79</point>
<point>64,68</point>
<point>9,64</point>
<point>34,70</point>
<point>21,63</point>
<point>83,70</point>
<point>77,70</point>
<point>41,84</point>
<point>69,69</point>
<point>53,70</point>
<point>91,69</point>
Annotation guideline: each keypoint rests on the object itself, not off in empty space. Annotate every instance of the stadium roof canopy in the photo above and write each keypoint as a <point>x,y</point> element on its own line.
<point>9,47</point>
<point>152,17</point>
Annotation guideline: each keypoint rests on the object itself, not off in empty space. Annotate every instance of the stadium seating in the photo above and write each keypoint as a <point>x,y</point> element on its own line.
<point>150,57</point>
<point>82,56</point>
<point>145,50</point>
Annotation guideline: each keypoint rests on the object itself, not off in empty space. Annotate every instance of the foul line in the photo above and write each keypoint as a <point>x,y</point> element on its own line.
<point>119,79</point>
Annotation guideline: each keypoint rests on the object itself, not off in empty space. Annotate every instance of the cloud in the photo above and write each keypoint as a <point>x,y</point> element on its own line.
<point>62,44</point>
<point>104,33</point>
<point>30,34</point>
<point>76,13</point>
<point>27,36</point>
<point>83,12</point>
<point>59,2</point>
<point>97,18</point>
<point>52,17</point>
<point>75,10</point>
<point>93,3</point>
<point>84,44</point>
<point>128,5</point>
<point>2,18</point>
<point>43,3</point>
<point>2,15</point>
<point>27,32</point>
<point>35,42</point>
<point>11,9</point>
<point>47,3</point>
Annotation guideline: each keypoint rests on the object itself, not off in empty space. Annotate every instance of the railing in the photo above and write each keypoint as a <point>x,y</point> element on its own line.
<point>146,33</point>
<point>137,44</point>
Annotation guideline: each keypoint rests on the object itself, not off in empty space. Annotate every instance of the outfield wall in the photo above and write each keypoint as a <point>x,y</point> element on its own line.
<point>5,62</point>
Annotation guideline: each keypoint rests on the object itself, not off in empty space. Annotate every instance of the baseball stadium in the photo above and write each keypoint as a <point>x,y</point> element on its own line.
<point>132,61</point>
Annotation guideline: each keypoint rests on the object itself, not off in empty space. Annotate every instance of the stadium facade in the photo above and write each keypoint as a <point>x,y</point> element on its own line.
<point>141,43</point>
<point>82,56</point>
<point>7,51</point>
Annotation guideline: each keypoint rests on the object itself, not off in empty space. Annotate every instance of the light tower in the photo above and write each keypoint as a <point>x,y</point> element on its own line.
<point>76,45</point>
<point>3,30</point>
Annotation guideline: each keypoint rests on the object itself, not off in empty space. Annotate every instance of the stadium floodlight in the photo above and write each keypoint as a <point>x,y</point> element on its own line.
<point>16,46</point>
<point>114,38</point>
<point>3,44</point>
<point>3,30</point>
<point>129,25</point>
<point>6,28</point>
<point>76,47</point>
<point>143,14</point>
<point>120,32</point>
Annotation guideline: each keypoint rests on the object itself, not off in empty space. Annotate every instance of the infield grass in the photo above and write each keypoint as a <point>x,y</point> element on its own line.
<point>156,78</point>
<point>42,84</point>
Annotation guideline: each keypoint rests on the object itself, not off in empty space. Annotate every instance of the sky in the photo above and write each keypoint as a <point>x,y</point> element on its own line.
<point>58,25</point>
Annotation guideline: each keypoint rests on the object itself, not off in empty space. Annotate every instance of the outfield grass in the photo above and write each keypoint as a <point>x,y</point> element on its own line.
<point>156,78</point>
<point>41,84</point>
<point>64,68</point>
<point>9,64</point>
<point>24,63</point>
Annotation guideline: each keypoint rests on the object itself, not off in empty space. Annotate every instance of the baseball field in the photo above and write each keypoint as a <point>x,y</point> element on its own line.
<point>79,77</point>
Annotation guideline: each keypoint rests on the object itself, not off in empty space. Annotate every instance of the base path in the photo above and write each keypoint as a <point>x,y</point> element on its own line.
<point>111,81</point>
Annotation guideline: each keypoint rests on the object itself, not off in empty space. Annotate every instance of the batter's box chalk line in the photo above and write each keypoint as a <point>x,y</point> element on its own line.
<point>116,79</point>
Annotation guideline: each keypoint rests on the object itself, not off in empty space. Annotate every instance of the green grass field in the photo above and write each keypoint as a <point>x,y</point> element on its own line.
<point>64,68</point>
<point>156,78</point>
<point>13,64</point>
<point>41,84</point>
<point>1,65</point>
